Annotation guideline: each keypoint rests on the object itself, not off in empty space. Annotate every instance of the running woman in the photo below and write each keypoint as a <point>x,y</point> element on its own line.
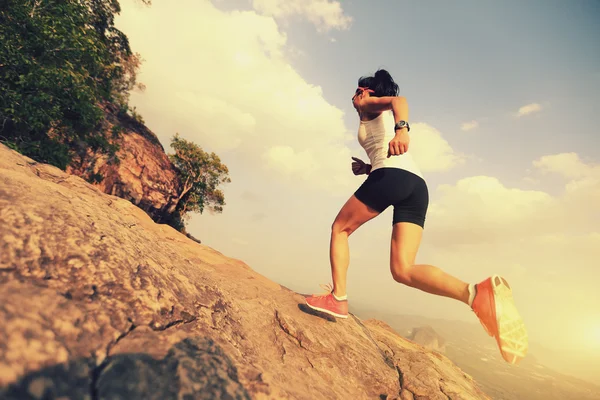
<point>394,179</point>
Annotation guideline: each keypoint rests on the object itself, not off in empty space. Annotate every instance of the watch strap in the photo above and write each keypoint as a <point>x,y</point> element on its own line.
<point>404,125</point>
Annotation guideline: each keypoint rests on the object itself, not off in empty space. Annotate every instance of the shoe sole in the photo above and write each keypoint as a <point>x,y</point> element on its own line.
<point>327,311</point>
<point>511,333</point>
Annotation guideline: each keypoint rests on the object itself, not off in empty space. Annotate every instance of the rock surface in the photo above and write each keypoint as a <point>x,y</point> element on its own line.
<point>145,175</point>
<point>99,302</point>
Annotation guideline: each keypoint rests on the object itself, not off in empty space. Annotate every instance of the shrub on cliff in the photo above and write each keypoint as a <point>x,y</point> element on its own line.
<point>201,173</point>
<point>59,61</point>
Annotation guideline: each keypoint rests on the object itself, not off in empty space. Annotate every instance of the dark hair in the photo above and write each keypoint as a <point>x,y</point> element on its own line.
<point>382,83</point>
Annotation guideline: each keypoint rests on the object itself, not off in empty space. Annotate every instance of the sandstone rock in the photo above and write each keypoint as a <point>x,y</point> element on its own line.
<point>423,374</point>
<point>97,301</point>
<point>145,175</point>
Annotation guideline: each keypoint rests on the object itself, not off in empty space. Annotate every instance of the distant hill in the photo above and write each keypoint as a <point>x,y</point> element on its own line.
<point>535,378</point>
<point>426,336</point>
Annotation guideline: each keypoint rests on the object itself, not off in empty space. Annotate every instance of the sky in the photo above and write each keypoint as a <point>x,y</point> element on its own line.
<point>503,99</point>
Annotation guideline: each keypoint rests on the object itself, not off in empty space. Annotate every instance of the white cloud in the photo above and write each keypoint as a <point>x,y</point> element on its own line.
<point>582,190</point>
<point>530,180</point>
<point>529,109</point>
<point>469,126</point>
<point>237,94</point>
<point>324,14</point>
<point>430,150</point>
<point>568,165</point>
<point>290,162</point>
<point>241,97</point>
<point>482,209</point>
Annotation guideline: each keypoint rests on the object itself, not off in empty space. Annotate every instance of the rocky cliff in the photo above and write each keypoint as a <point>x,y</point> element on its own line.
<point>144,174</point>
<point>99,302</point>
<point>427,337</point>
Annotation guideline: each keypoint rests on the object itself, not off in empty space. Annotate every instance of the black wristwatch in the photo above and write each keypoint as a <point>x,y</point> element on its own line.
<point>402,124</point>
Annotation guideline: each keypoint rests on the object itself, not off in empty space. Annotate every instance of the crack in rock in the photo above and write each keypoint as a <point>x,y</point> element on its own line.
<point>284,325</point>
<point>311,364</point>
<point>386,358</point>
<point>442,389</point>
<point>188,319</point>
<point>97,371</point>
<point>400,377</point>
<point>283,353</point>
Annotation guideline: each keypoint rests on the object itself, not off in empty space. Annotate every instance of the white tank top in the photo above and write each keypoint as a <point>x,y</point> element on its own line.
<point>375,135</point>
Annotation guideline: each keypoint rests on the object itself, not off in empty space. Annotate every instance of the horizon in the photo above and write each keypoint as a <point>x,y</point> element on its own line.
<point>272,99</point>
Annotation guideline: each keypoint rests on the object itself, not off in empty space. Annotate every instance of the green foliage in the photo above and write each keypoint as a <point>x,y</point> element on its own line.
<point>60,61</point>
<point>96,178</point>
<point>201,173</point>
<point>136,116</point>
<point>116,131</point>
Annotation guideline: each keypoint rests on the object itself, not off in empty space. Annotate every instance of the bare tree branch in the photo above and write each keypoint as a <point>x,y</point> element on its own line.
<point>35,4</point>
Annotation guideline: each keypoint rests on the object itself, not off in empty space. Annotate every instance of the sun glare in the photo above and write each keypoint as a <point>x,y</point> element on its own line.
<point>592,333</point>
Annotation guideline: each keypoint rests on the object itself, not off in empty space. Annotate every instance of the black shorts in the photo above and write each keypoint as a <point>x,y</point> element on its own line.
<point>404,190</point>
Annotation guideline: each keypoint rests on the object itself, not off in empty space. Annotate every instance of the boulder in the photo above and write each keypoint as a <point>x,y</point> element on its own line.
<point>143,175</point>
<point>97,301</point>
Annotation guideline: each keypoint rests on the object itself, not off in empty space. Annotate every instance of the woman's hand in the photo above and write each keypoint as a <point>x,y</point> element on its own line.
<point>359,167</point>
<point>399,144</point>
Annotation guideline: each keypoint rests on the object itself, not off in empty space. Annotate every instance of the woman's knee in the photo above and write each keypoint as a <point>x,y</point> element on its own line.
<point>340,227</point>
<point>401,271</point>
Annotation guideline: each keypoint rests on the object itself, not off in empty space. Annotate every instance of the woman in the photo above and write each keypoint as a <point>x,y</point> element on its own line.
<point>395,180</point>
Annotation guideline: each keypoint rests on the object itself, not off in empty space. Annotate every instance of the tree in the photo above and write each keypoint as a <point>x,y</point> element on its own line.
<point>201,173</point>
<point>60,62</point>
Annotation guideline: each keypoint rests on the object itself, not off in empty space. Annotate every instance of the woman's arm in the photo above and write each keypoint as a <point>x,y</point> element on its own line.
<point>398,105</point>
<point>399,144</point>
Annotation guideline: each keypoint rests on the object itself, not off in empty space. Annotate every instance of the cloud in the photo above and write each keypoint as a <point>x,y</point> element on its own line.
<point>581,196</point>
<point>482,209</point>
<point>290,162</point>
<point>324,14</point>
<point>239,95</point>
<point>469,126</point>
<point>431,151</point>
<point>529,109</point>
<point>530,180</point>
<point>568,165</point>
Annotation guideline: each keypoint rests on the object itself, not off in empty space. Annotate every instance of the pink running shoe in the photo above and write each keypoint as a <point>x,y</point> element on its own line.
<point>328,304</point>
<point>496,310</point>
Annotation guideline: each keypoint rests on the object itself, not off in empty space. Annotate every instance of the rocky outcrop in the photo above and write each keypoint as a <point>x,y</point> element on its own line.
<point>144,174</point>
<point>427,337</point>
<point>99,302</point>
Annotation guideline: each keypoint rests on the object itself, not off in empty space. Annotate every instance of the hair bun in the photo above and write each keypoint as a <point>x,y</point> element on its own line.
<point>382,83</point>
<point>382,75</point>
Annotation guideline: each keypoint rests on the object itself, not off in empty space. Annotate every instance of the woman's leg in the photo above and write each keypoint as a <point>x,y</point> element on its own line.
<point>352,215</point>
<point>406,238</point>
<point>493,304</point>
